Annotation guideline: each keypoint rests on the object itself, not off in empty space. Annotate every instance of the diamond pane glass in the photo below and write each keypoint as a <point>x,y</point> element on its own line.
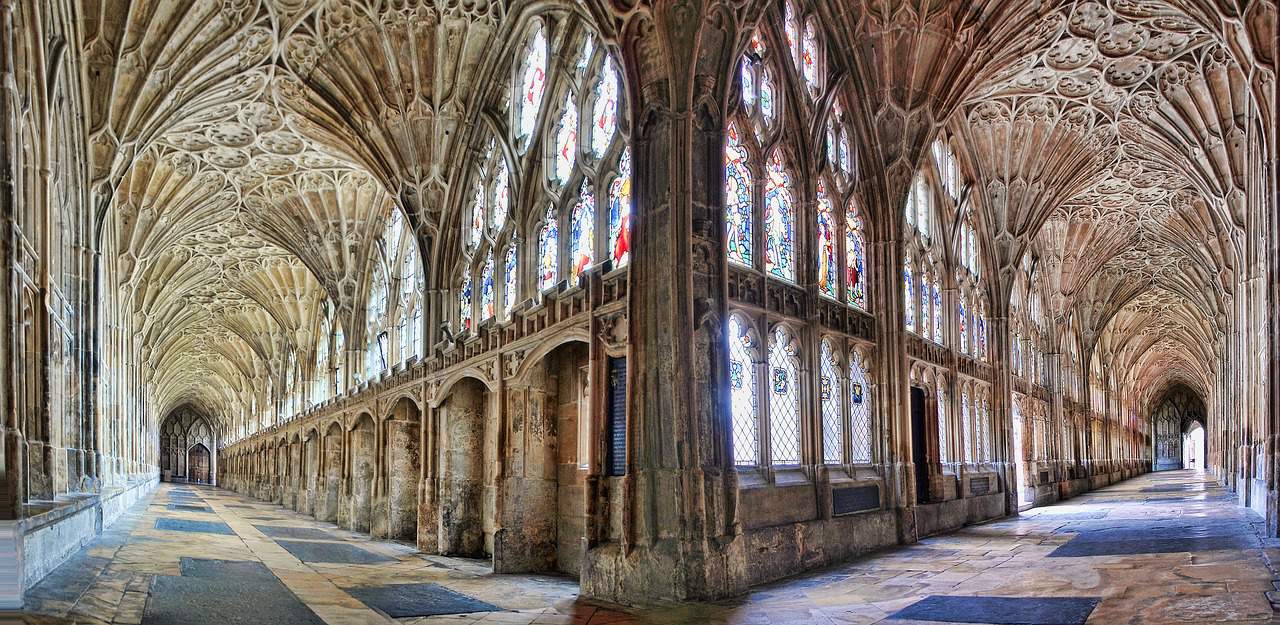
<point>832,419</point>
<point>943,454</point>
<point>859,411</point>
<point>966,427</point>
<point>784,400</point>
<point>742,394</point>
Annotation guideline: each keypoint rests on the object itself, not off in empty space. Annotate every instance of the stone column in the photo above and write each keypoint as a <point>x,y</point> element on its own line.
<point>681,539</point>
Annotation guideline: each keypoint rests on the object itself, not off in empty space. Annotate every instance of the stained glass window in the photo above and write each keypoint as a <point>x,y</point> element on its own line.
<point>487,289</point>
<point>937,311</point>
<point>501,194</point>
<point>738,202</point>
<point>767,98</point>
<point>948,169</point>
<point>620,211</point>
<point>784,399</point>
<point>855,244</point>
<point>832,419</point>
<point>779,220</point>
<point>908,296</point>
<point>859,410</point>
<point>921,193</point>
<point>966,426</point>
<point>464,304</point>
<point>604,113</point>
<point>339,360</point>
<point>791,31</point>
<point>548,251</point>
<point>926,315</point>
<point>566,141</point>
<point>742,394</point>
<point>533,79</point>
<point>477,218</point>
<point>809,57</point>
<point>964,326</point>
<point>582,228</point>
<point>584,59</point>
<point>828,275</point>
<point>943,454</point>
<point>509,274</point>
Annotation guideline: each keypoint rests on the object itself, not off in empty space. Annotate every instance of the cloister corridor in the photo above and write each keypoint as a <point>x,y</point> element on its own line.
<point>1165,547</point>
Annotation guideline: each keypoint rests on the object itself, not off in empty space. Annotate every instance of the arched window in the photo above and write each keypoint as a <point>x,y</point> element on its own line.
<point>375,320</point>
<point>548,251</point>
<point>830,393</point>
<point>944,454</point>
<point>779,219</point>
<point>738,203</point>
<point>966,426</point>
<point>464,304</point>
<point>908,295</point>
<point>487,289</point>
<point>566,142</point>
<point>339,360</point>
<point>828,277</point>
<point>860,410</point>
<point>620,211</point>
<point>784,398</point>
<point>582,226</point>
<point>742,392</point>
<point>532,81</point>
<point>855,257</point>
<point>510,273</point>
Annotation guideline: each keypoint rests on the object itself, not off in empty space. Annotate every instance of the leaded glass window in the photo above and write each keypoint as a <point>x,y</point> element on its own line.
<point>548,251</point>
<point>779,220</point>
<point>533,78</point>
<point>828,276</point>
<point>738,203</point>
<point>908,295</point>
<point>620,211</point>
<point>966,426</point>
<point>487,289</point>
<point>582,227</point>
<point>855,244</point>
<point>943,453</point>
<point>742,393</point>
<point>859,411</point>
<point>604,111</point>
<point>510,273</point>
<point>829,389</point>
<point>784,399</point>
<point>464,304</point>
<point>566,141</point>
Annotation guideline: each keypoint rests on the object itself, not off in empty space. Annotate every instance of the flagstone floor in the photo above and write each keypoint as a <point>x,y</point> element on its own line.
<point>1167,548</point>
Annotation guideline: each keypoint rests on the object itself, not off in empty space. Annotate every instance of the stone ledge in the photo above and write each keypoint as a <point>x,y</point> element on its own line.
<point>55,530</point>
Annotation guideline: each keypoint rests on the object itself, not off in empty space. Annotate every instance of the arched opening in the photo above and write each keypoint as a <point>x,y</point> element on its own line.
<point>310,472</point>
<point>1171,423</point>
<point>198,464</point>
<point>1193,449</point>
<point>180,432</point>
<point>466,499</point>
<point>331,483</point>
<point>544,510</point>
<point>363,465</point>
<point>403,459</point>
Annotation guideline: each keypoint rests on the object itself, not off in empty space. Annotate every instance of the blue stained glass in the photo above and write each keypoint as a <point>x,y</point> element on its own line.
<point>548,251</point>
<point>827,273</point>
<point>855,258</point>
<point>780,380</point>
<point>925,317</point>
<point>779,220</point>
<point>964,329</point>
<point>738,203</point>
<point>768,103</point>
<point>509,274</point>
<point>582,228</point>
<point>487,289</point>
<point>735,375</point>
<point>464,305</point>
<point>908,295</point>
<point>748,78</point>
<point>937,313</point>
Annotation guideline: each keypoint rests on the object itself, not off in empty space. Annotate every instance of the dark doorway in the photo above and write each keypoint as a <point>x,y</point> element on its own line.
<point>919,451</point>
<point>198,464</point>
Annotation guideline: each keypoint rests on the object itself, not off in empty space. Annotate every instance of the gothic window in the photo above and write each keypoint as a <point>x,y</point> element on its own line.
<point>548,251</point>
<point>487,293</point>
<point>860,410</point>
<point>784,398</point>
<point>339,359</point>
<point>923,312</point>
<point>620,211</point>
<point>810,57</point>
<point>464,304</point>
<point>829,390</point>
<point>566,142</point>
<point>855,257</point>
<point>604,111</point>
<point>738,203</point>
<point>582,226</point>
<point>324,334</point>
<point>828,278</point>
<point>908,294</point>
<point>779,219</point>
<point>510,273</point>
<point>375,322</point>
<point>971,294</point>
<point>742,392</point>
<point>944,454</point>
<point>532,81</point>
<point>500,193</point>
<point>966,425</point>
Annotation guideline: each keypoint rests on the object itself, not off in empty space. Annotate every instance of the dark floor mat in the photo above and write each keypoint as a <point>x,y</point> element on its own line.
<point>1083,548</point>
<point>1071,516</point>
<point>203,527</point>
<point>404,600</point>
<point>301,533</point>
<point>217,592</point>
<point>1001,610</point>
<point>335,553</point>
<point>188,507</point>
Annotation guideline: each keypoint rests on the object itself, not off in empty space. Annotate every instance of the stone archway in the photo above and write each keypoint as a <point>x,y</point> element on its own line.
<point>330,485</point>
<point>1194,451</point>
<point>363,466</point>
<point>198,464</point>
<point>466,520</point>
<point>402,456</point>
<point>1172,417</point>
<point>180,432</point>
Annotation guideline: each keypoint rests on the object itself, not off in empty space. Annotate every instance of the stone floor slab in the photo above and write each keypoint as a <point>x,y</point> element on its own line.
<point>405,600</point>
<point>331,553</point>
<point>1000,610</point>
<point>201,527</point>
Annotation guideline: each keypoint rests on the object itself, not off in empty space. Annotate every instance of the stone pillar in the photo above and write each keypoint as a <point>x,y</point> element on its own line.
<point>681,539</point>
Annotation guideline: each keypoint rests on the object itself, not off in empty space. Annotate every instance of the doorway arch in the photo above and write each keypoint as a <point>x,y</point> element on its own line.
<point>198,458</point>
<point>1171,421</point>
<point>1193,446</point>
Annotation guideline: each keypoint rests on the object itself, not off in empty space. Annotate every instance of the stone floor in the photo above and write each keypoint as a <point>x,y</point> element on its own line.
<point>1164,548</point>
